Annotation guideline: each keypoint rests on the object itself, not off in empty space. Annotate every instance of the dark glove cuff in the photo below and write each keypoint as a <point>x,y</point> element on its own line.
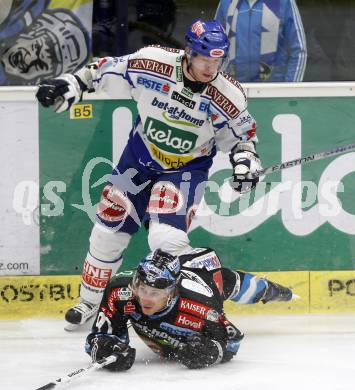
<point>101,345</point>
<point>82,85</point>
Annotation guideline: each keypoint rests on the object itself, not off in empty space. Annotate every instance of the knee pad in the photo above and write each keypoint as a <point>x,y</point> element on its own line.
<point>106,244</point>
<point>167,238</point>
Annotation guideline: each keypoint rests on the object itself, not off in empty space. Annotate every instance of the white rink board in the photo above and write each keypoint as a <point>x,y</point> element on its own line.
<point>19,162</point>
<point>19,167</point>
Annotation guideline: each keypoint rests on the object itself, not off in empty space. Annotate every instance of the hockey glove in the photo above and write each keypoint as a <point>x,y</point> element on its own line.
<point>199,352</point>
<point>103,345</point>
<point>245,162</point>
<point>60,92</point>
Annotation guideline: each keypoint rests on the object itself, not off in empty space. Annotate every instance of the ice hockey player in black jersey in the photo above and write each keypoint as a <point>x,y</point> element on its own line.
<point>175,305</point>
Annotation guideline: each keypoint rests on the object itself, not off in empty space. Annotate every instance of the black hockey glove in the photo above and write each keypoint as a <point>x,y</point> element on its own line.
<point>60,92</point>
<point>245,162</point>
<point>103,345</point>
<point>199,352</point>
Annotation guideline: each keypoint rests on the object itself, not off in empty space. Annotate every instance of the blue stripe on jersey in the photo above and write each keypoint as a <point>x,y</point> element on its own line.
<point>107,261</point>
<point>219,110</point>
<point>250,288</point>
<point>152,75</point>
<point>234,133</point>
<point>113,73</point>
<point>207,97</point>
<point>219,126</point>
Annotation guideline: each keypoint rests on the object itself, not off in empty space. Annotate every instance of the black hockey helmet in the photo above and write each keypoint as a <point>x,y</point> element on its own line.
<point>158,269</point>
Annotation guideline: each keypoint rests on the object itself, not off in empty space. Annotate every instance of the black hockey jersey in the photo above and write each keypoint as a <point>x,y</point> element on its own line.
<point>197,309</point>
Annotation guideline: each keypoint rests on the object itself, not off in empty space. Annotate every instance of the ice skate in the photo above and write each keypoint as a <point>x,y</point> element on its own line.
<point>276,292</point>
<point>79,314</point>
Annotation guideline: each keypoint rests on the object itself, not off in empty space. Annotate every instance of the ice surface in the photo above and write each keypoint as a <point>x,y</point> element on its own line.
<point>278,352</point>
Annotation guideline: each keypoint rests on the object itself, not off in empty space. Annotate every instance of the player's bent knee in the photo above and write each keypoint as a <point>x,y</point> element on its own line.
<point>106,244</point>
<point>167,238</point>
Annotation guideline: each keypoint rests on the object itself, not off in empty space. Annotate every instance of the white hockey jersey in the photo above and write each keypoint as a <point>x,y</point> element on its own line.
<point>176,129</point>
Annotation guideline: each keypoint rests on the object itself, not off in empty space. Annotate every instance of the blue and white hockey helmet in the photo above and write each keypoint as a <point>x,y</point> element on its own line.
<point>207,38</point>
<point>158,269</point>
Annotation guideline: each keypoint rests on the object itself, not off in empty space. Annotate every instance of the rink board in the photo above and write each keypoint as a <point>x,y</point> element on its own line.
<point>49,202</point>
<point>49,296</point>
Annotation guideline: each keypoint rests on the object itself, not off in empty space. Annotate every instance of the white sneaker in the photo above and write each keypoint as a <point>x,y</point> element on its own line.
<point>79,314</point>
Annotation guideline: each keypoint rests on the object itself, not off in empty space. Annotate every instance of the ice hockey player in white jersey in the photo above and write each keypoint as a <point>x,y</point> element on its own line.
<point>187,107</point>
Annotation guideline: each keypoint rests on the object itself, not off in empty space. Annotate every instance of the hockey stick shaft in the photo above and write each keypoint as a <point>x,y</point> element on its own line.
<point>304,160</point>
<point>80,372</point>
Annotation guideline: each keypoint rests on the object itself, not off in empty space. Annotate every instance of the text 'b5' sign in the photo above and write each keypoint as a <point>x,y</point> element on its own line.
<point>81,111</point>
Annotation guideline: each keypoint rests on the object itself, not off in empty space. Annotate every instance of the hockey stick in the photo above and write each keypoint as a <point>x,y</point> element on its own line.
<point>80,372</point>
<point>304,160</point>
<point>289,164</point>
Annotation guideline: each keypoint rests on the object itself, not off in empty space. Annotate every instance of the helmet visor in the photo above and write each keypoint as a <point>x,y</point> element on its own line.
<point>150,276</point>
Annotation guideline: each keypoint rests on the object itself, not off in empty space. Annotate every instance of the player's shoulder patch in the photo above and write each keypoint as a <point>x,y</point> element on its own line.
<point>220,98</point>
<point>227,95</point>
<point>201,258</point>
<point>153,60</point>
<point>121,294</point>
<point>192,282</point>
<point>118,292</point>
<point>234,82</point>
